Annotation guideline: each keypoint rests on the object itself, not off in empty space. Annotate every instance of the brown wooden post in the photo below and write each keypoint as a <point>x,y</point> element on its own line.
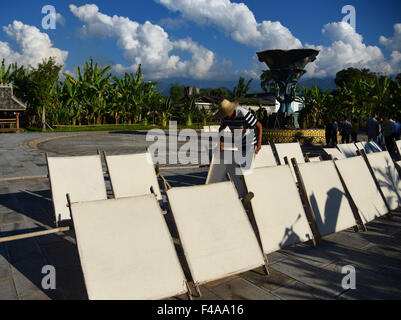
<point>308,207</point>
<point>17,118</point>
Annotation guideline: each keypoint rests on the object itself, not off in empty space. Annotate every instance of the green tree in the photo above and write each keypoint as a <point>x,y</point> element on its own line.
<point>190,108</point>
<point>316,108</point>
<point>177,93</point>
<point>241,89</point>
<point>268,84</point>
<point>45,80</point>
<point>7,73</point>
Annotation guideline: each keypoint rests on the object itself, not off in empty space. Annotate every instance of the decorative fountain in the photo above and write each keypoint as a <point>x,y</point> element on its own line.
<point>286,68</point>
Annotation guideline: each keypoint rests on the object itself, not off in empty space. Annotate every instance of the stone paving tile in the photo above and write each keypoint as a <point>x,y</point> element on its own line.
<point>378,289</point>
<point>325,280</point>
<point>380,235</point>
<point>387,250</point>
<point>216,283</point>
<point>4,265</point>
<point>318,256</point>
<point>366,260</point>
<point>61,254</point>
<point>70,283</point>
<point>7,291</point>
<point>299,291</point>
<point>240,289</point>
<point>348,239</point>
<point>21,249</point>
<point>276,257</point>
<point>10,218</point>
<point>270,282</point>
<point>206,295</point>
<point>27,275</point>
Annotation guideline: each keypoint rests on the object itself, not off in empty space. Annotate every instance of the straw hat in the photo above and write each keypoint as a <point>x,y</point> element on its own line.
<point>226,107</point>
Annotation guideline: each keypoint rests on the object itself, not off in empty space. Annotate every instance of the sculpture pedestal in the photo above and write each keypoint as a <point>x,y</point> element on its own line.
<point>311,136</point>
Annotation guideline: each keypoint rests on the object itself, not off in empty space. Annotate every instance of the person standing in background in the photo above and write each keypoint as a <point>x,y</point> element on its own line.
<point>335,133</point>
<point>373,128</point>
<point>354,130</point>
<point>380,137</point>
<point>387,133</point>
<point>328,133</point>
<point>346,131</point>
<point>396,128</point>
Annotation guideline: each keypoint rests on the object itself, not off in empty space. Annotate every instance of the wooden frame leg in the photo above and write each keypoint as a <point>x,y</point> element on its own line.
<point>308,208</point>
<point>189,292</point>
<point>198,291</point>
<point>166,185</point>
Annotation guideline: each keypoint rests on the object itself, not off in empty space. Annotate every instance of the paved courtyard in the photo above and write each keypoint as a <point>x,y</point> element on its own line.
<point>298,272</point>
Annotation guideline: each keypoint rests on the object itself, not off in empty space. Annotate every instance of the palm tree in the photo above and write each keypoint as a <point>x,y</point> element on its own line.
<point>241,89</point>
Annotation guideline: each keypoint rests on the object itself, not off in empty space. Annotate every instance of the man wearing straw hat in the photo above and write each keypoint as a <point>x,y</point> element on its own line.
<point>237,118</point>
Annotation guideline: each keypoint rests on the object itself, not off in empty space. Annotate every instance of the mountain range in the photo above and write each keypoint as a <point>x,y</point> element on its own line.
<point>165,84</point>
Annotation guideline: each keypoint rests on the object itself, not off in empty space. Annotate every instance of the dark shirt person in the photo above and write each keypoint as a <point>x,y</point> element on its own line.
<point>373,128</point>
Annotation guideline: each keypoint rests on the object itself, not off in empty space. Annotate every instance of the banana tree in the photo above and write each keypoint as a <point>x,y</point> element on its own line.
<point>94,84</point>
<point>72,96</point>
<point>190,108</point>
<point>381,94</point>
<point>316,107</point>
<point>206,113</point>
<point>166,108</point>
<point>6,73</point>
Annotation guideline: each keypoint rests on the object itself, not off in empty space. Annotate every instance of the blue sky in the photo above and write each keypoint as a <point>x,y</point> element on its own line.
<point>208,45</point>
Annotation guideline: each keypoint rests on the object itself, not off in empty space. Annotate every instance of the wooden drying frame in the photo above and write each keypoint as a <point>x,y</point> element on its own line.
<point>365,157</point>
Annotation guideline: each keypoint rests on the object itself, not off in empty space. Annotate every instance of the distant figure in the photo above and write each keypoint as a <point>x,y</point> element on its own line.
<point>354,130</point>
<point>380,137</point>
<point>346,131</point>
<point>396,128</point>
<point>388,135</point>
<point>335,133</point>
<point>373,128</point>
<point>328,132</point>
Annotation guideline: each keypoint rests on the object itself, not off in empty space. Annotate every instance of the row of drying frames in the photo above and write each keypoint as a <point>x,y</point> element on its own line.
<point>234,220</point>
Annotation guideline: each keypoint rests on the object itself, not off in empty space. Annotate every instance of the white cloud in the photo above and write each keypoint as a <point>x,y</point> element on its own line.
<point>34,46</point>
<point>173,24</point>
<point>347,49</point>
<point>394,43</point>
<point>236,20</point>
<point>60,19</point>
<point>150,45</point>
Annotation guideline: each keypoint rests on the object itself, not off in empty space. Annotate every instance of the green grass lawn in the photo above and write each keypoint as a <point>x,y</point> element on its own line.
<point>111,127</point>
